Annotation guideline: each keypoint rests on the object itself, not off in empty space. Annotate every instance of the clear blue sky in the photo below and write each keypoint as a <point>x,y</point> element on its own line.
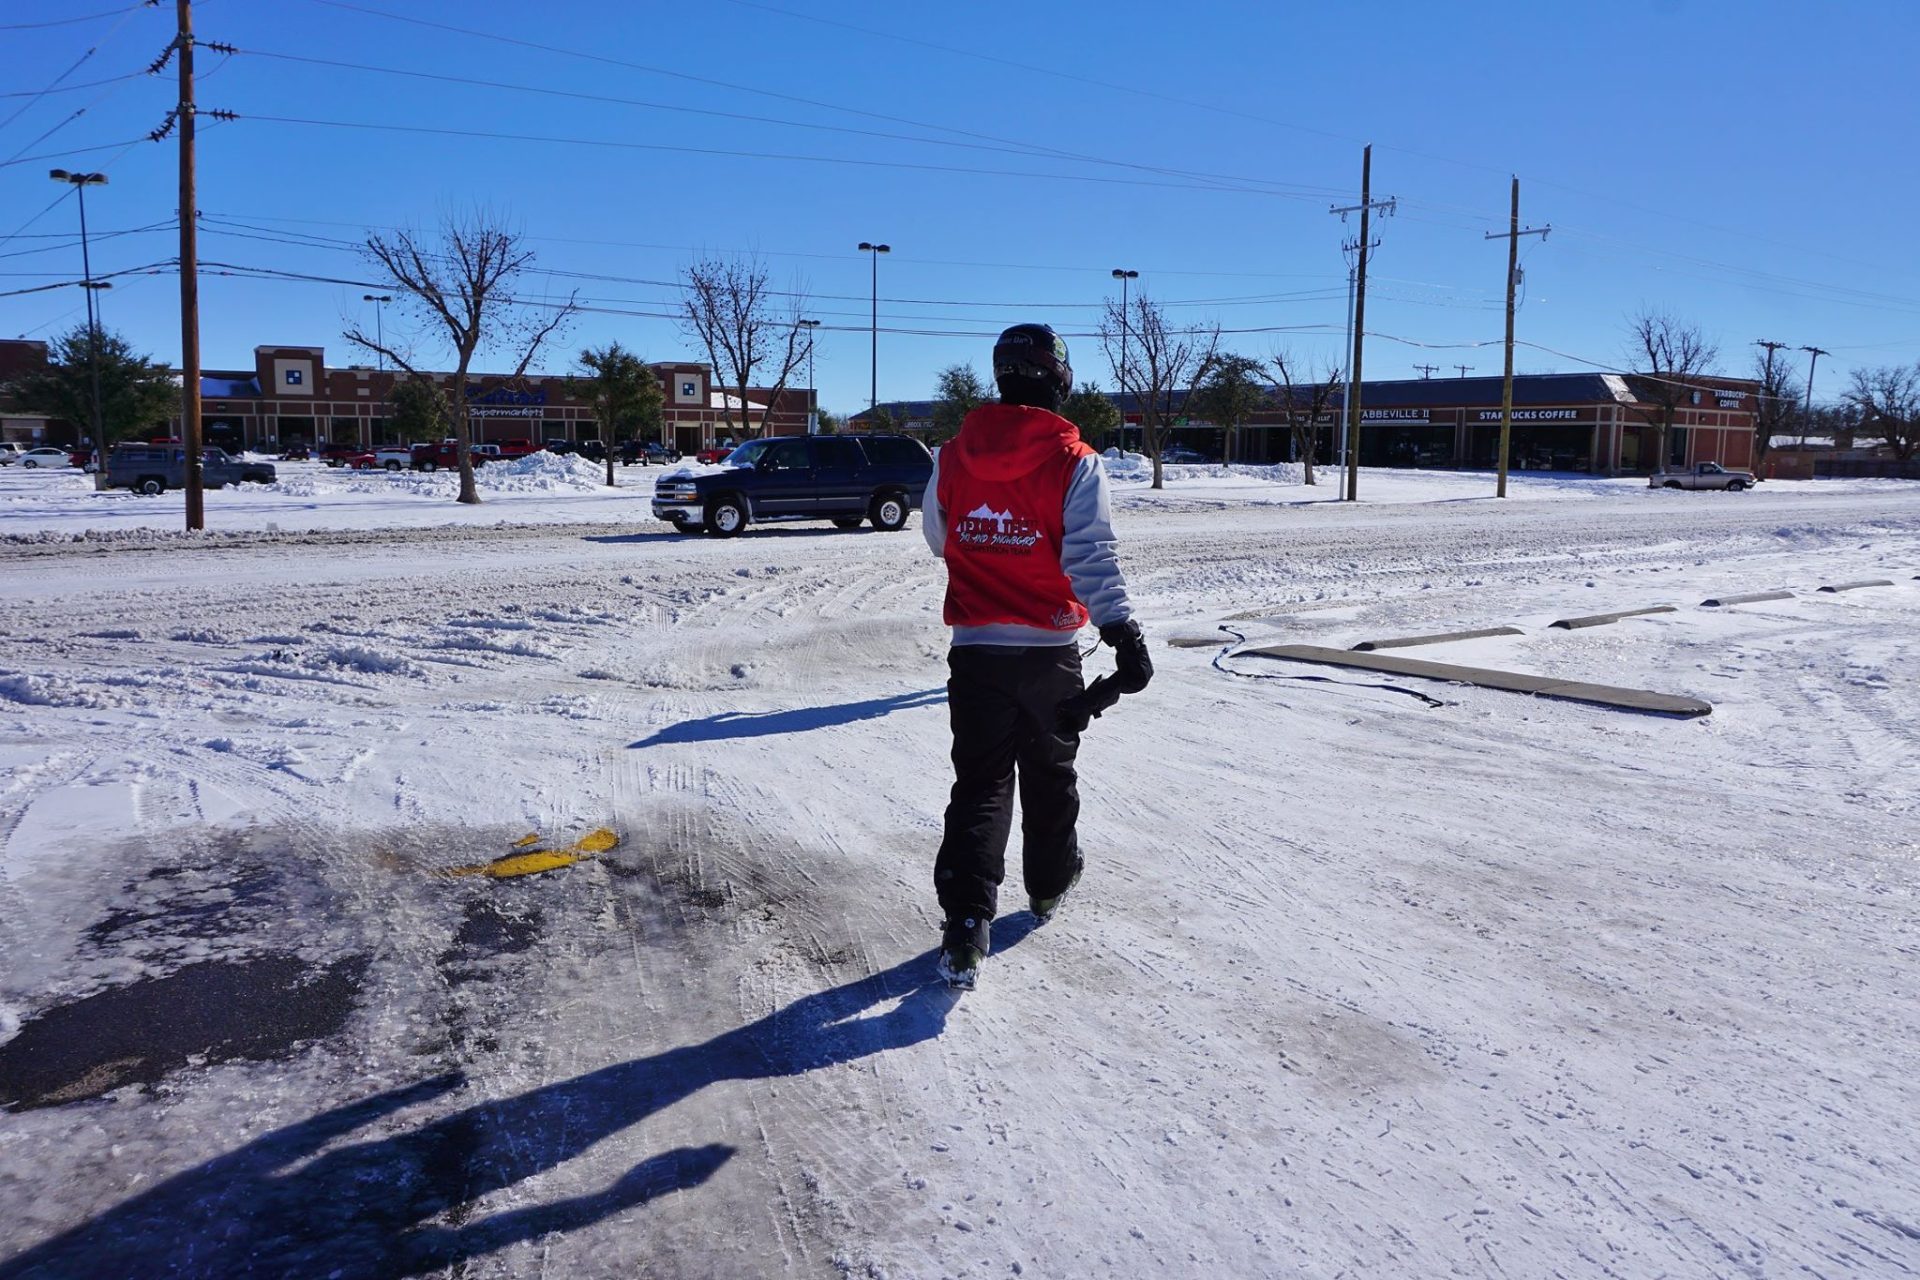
<point>1744,164</point>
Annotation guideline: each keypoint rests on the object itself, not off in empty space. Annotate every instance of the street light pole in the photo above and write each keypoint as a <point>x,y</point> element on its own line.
<point>379,301</point>
<point>1813,358</point>
<point>80,183</point>
<point>813,391</point>
<point>874,251</point>
<point>1123,275</point>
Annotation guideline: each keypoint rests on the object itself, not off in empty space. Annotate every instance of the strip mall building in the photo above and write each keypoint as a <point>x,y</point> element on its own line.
<point>290,396</point>
<point>1592,422</point>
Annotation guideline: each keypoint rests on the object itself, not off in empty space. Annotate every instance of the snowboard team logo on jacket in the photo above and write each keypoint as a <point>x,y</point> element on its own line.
<point>1008,471</point>
<point>991,530</point>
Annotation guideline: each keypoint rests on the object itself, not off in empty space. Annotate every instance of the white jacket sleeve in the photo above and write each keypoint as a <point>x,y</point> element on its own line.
<point>933,521</point>
<point>1088,549</point>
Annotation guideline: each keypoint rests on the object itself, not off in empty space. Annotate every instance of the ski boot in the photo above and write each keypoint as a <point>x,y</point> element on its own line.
<point>963,945</point>
<point>1043,908</point>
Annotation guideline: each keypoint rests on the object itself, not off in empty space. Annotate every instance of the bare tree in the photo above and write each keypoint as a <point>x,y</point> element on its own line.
<point>1668,357</point>
<point>1155,362</point>
<point>732,313</point>
<point>1888,402</point>
<point>460,292</point>
<point>1304,403</point>
<point>1777,403</point>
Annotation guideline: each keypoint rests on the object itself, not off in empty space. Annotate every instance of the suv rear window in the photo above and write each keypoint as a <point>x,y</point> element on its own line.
<point>894,451</point>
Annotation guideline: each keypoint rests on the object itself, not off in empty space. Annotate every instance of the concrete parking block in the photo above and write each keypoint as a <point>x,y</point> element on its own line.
<point>1750,598</point>
<point>1482,677</point>
<point>1402,642</point>
<point>1602,619</point>
<point>1855,586</point>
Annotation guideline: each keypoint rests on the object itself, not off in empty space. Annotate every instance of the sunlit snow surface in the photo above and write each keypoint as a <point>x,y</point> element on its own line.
<point>1352,985</point>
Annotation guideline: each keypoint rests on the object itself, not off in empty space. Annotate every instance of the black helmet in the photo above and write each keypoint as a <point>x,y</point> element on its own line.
<point>1035,352</point>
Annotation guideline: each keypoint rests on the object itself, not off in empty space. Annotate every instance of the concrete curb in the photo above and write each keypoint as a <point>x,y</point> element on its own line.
<point>1855,586</point>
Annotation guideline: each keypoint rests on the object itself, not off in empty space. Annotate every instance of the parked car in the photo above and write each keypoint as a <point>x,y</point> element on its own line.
<point>1180,455</point>
<point>1703,475</point>
<point>561,447</point>
<point>81,458</point>
<point>518,448</point>
<point>394,457</point>
<point>336,455</point>
<point>845,479</point>
<point>592,450</point>
<point>296,453</point>
<point>155,468</point>
<point>713,453</point>
<point>45,456</point>
<point>9,453</point>
<point>432,457</point>
<point>646,453</point>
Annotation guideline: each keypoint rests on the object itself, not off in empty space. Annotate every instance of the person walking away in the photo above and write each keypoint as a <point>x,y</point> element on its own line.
<point>1018,508</point>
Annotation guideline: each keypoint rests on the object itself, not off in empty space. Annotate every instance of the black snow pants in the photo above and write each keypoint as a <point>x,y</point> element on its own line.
<point>1004,701</point>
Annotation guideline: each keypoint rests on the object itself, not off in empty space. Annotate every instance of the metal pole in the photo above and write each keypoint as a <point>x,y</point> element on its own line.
<point>1125,332</point>
<point>189,282</point>
<point>93,324</point>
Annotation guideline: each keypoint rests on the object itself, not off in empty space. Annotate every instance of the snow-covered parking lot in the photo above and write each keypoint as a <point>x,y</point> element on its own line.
<point>1355,985</point>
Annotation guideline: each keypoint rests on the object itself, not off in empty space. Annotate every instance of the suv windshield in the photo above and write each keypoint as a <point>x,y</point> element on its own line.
<point>747,454</point>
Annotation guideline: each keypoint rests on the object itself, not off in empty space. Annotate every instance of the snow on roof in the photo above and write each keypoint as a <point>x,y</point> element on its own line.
<point>724,400</point>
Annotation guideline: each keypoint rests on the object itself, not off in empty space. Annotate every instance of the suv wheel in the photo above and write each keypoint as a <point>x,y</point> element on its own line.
<point>889,511</point>
<point>726,517</point>
<point>150,486</point>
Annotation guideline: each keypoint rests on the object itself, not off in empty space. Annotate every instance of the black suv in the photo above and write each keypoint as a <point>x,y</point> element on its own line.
<point>845,479</point>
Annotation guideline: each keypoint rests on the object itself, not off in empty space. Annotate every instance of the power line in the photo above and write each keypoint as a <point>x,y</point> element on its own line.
<point>891,118</point>
<point>77,62</point>
<point>495,136</point>
<point>1009,147</point>
<point>68,22</point>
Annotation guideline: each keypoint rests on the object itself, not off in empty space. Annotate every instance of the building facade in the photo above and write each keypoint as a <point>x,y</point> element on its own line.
<point>291,396</point>
<point>1598,423</point>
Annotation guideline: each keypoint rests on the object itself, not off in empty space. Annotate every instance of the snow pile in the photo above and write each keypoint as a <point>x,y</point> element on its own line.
<point>1137,468</point>
<point>48,691</point>
<point>542,472</point>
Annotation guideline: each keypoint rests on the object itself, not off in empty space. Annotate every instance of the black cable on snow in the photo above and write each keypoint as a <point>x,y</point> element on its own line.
<point>1238,639</point>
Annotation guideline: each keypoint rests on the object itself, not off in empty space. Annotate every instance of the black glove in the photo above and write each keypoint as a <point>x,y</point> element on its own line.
<point>1132,664</point>
<point>1083,707</point>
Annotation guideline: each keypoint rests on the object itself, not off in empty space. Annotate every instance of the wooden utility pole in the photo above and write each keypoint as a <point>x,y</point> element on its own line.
<point>1513,234</point>
<point>189,282</point>
<point>1427,370</point>
<point>1366,247</point>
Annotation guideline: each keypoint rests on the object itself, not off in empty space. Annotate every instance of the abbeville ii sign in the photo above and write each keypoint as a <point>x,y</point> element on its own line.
<point>505,402</point>
<point>1533,415</point>
<point>1392,415</point>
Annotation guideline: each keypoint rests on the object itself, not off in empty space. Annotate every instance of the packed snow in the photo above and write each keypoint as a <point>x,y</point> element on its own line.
<point>1355,985</point>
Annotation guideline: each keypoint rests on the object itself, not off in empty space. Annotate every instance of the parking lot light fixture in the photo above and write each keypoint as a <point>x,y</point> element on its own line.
<point>874,251</point>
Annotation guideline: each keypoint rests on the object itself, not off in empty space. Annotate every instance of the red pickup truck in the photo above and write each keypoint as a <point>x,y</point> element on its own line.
<point>432,457</point>
<point>517,448</point>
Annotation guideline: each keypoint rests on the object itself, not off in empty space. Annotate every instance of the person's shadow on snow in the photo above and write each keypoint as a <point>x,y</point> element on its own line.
<point>759,724</point>
<point>401,1204</point>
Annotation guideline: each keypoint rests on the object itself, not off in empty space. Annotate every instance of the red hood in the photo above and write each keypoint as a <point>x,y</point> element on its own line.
<point>1006,441</point>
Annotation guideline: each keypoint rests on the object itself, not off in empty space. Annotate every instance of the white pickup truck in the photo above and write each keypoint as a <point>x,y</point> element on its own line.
<point>1703,475</point>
